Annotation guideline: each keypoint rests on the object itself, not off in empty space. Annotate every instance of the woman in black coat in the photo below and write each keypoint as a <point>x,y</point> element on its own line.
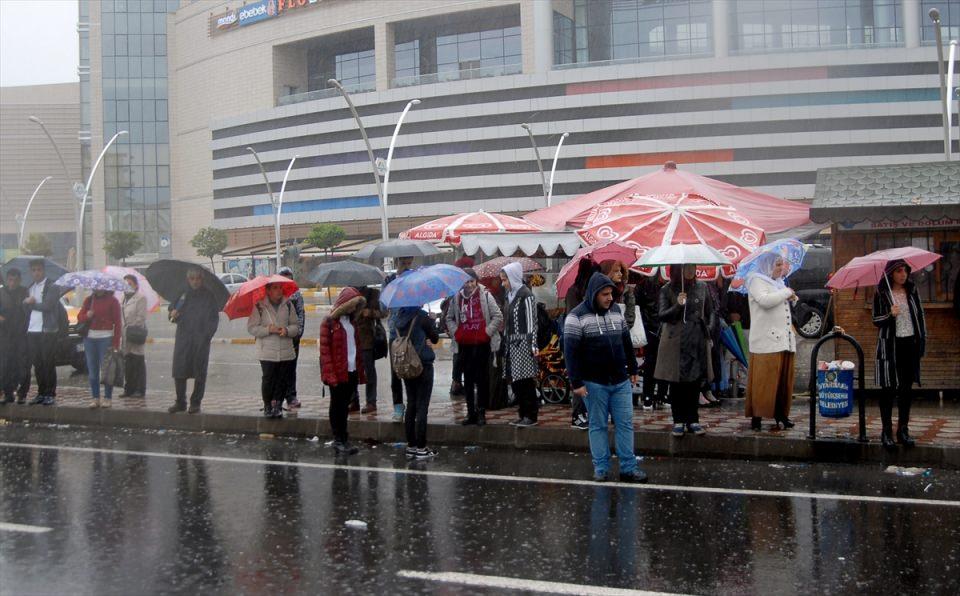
<point>898,314</point>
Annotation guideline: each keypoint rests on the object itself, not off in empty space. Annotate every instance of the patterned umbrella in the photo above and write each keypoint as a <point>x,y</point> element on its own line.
<point>423,285</point>
<point>598,253</point>
<point>153,299</point>
<point>448,229</point>
<point>242,301</point>
<point>790,250</point>
<point>91,280</point>
<point>492,267</point>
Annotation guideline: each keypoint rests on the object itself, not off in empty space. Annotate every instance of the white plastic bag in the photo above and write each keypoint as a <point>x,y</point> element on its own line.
<point>638,335</point>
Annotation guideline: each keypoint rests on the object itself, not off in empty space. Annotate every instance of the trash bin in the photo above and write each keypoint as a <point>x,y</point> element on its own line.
<point>835,393</point>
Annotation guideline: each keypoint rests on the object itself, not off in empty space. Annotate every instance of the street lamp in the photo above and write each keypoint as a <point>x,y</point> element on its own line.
<point>386,166</point>
<point>553,169</point>
<point>78,189</point>
<point>22,219</point>
<point>536,151</point>
<point>276,203</point>
<point>86,193</point>
<point>373,160</point>
<point>944,102</point>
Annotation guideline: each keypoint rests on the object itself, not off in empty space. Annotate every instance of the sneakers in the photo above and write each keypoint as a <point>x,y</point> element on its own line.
<point>425,453</point>
<point>525,422</point>
<point>580,423</point>
<point>38,400</point>
<point>345,448</point>
<point>410,452</point>
<point>599,476</point>
<point>293,405</point>
<point>106,403</point>
<point>368,409</point>
<point>94,404</point>
<point>177,407</point>
<point>398,412</point>
<point>696,429</point>
<point>677,430</point>
<point>647,404</point>
<point>49,401</point>
<point>637,477</point>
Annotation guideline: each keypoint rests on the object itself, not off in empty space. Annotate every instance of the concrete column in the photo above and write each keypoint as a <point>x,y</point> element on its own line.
<point>912,22</point>
<point>383,41</point>
<point>721,28</point>
<point>543,35</point>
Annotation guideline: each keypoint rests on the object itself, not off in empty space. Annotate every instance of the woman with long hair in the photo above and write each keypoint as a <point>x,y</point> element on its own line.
<point>902,341</point>
<point>101,313</point>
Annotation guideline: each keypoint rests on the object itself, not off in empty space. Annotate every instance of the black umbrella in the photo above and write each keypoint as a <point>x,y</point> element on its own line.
<point>52,269</point>
<point>395,249</point>
<point>169,278</point>
<point>345,273</point>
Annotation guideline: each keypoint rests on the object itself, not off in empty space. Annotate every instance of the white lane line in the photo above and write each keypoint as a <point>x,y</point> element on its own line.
<point>503,478</point>
<point>5,527</point>
<point>529,585</point>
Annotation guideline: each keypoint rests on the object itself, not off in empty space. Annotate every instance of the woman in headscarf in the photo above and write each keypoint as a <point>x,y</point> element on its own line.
<point>773,343</point>
<point>134,316</point>
<point>520,346</point>
<point>898,314</point>
<point>686,318</point>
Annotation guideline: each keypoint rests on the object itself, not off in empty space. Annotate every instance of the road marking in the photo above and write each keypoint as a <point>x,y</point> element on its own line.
<point>502,478</point>
<point>529,585</point>
<point>5,527</point>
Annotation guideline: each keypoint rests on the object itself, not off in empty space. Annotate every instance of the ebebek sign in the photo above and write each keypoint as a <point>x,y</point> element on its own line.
<point>254,12</point>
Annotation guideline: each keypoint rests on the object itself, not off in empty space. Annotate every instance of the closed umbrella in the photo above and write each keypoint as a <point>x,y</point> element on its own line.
<point>423,285</point>
<point>393,249</point>
<point>345,273</point>
<point>728,337</point>
<point>143,284</point>
<point>91,280</point>
<point>242,301</point>
<point>169,278</point>
<point>493,267</point>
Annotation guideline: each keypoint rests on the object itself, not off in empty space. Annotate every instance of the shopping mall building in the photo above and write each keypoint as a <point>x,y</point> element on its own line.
<point>759,93</point>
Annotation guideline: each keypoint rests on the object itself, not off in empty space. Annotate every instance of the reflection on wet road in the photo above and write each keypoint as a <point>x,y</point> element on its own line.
<point>130,512</point>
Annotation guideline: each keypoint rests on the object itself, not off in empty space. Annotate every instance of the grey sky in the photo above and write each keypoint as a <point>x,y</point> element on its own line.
<point>38,42</point>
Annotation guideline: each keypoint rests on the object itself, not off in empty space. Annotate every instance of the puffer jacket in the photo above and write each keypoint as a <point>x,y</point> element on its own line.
<point>270,346</point>
<point>334,369</point>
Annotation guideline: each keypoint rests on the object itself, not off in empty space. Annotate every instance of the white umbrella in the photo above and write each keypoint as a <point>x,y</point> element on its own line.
<point>682,254</point>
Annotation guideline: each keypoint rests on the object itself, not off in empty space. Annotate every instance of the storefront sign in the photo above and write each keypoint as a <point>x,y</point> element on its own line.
<point>256,12</point>
<point>900,224</point>
<point>288,5</point>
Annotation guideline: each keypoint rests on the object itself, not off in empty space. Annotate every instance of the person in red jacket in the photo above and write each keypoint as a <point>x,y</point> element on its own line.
<point>341,362</point>
<point>101,313</point>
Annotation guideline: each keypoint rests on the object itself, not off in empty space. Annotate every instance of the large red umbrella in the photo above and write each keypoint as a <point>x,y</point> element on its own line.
<point>646,222</point>
<point>770,213</point>
<point>868,269</point>
<point>448,229</point>
<point>242,301</point>
<point>492,267</point>
<point>609,250</point>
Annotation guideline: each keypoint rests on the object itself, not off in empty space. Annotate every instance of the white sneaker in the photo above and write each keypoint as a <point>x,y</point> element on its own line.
<point>94,404</point>
<point>398,412</point>
<point>106,403</point>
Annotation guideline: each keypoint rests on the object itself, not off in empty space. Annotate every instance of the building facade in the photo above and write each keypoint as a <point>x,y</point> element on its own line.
<point>27,157</point>
<point>759,93</point>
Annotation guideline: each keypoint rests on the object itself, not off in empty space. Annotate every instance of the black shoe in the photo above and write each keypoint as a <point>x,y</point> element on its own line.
<point>456,388</point>
<point>903,436</point>
<point>345,448</point>
<point>193,409</point>
<point>886,439</point>
<point>638,477</point>
<point>9,399</point>
<point>786,423</point>
<point>22,400</point>
<point>276,410</point>
<point>177,407</point>
<point>482,419</point>
<point>469,421</point>
<point>755,423</point>
<point>525,422</point>
<point>38,400</point>
<point>599,476</point>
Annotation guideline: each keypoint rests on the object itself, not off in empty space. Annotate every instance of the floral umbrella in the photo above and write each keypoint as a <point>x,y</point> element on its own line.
<point>153,299</point>
<point>90,279</point>
<point>791,251</point>
<point>448,229</point>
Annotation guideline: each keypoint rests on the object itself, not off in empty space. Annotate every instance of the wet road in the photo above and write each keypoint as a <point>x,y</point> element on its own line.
<point>125,513</point>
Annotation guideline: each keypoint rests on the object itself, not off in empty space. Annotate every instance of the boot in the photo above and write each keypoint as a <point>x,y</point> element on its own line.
<point>903,436</point>
<point>886,437</point>
<point>177,406</point>
<point>481,418</point>
<point>755,423</point>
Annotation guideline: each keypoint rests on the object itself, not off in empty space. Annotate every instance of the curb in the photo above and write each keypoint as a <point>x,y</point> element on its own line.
<point>648,443</point>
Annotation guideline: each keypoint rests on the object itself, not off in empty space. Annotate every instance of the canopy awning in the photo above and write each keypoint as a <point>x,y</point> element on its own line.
<point>545,243</point>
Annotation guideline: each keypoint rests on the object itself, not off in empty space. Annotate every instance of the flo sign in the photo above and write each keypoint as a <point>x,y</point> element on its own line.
<point>255,12</point>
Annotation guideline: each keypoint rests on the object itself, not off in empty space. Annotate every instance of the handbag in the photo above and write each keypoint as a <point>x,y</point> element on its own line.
<point>136,335</point>
<point>638,333</point>
<point>83,327</point>
<point>111,369</point>
<point>380,345</point>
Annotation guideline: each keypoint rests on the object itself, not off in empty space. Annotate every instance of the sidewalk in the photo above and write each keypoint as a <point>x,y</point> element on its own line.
<point>936,429</point>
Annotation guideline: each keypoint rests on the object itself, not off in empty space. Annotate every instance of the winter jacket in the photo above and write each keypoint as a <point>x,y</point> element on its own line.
<point>628,305</point>
<point>646,296</point>
<point>270,346</point>
<point>196,325</point>
<point>491,315</point>
<point>334,369</point>
<point>886,357</point>
<point>682,356</point>
<point>424,329</point>
<point>771,323</point>
<point>520,337</point>
<point>49,305</point>
<point>368,316</point>
<point>106,316</point>
<point>296,299</point>
<point>596,343</point>
<point>13,328</point>
<point>134,311</point>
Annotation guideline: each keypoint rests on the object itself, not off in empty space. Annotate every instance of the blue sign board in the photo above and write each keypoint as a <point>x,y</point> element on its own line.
<point>256,12</point>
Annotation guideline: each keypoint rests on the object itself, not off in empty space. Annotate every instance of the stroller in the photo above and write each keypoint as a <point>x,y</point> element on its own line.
<point>552,383</point>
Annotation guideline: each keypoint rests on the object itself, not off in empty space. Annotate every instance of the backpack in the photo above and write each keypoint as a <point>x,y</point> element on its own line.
<point>404,359</point>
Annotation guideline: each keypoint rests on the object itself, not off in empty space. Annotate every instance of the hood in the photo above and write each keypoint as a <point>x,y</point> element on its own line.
<point>403,315</point>
<point>597,282</point>
<point>348,301</point>
<point>514,273</point>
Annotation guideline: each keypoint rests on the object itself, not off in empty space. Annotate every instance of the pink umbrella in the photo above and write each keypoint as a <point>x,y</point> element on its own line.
<point>610,250</point>
<point>242,301</point>
<point>448,229</point>
<point>868,269</point>
<point>153,299</point>
<point>492,267</point>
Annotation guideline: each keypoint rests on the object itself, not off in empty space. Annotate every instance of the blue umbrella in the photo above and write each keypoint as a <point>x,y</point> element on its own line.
<point>790,250</point>
<point>729,340</point>
<point>92,280</point>
<point>22,263</point>
<point>423,285</point>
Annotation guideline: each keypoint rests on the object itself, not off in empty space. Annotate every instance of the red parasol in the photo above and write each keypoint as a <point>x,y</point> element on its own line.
<point>242,301</point>
<point>598,253</point>
<point>492,267</point>
<point>448,229</point>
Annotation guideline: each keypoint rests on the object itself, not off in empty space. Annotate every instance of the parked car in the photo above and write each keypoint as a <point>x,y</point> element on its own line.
<point>232,281</point>
<point>810,313</point>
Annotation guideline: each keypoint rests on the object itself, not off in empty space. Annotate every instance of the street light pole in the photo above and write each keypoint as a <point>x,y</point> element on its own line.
<point>944,102</point>
<point>278,208</point>
<point>22,219</point>
<point>273,201</point>
<point>66,176</point>
<point>536,151</point>
<point>373,159</point>
<point>86,193</point>
<point>386,173</point>
<point>553,169</point>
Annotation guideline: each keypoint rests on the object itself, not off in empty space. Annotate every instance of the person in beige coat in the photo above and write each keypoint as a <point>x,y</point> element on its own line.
<point>134,316</point>
<point>274,323</point>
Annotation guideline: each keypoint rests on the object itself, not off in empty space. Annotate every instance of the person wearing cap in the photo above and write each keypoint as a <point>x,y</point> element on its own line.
<point>474,321</point>
<point>295,300</point>
<point>902,342</point>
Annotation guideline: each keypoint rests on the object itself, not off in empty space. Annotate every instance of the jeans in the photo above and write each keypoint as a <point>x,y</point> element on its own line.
<point>95,350</point>
<point>135,374</point>
<point>275,380</point>
<point>475,364</point>
<point>42,350</point>
<point>340,396</point>
<point>604,401</point>
<point>418,403</point>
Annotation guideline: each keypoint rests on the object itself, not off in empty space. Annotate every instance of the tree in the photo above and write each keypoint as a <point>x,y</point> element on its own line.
<point>38,245</point>
<point>325,236</point>
<point>120,244</point>
<point>209,243</point>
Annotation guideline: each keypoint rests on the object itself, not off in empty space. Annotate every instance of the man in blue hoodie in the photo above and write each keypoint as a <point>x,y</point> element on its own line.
<point>602,366</point>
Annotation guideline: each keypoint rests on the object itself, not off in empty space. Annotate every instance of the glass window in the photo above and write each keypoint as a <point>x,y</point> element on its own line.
<point>149,132</point>
<point>160,112</point>
<point>123,111</point>
<point>110,111</point>
<point>146,45</point>
<point>949,19</point>
<point>146,67</point>
<point>564,50</point>
<point>146,24</point>
<point>163,175</point>
<point>136,89</point>
<point>159,45</point>
<point>133,22</point>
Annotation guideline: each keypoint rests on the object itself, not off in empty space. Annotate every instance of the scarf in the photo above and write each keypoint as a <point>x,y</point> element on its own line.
<point>514,272</point>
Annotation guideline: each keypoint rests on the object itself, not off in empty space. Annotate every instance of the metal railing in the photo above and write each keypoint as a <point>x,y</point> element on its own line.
<point>286,100</point>
<point>458,75</point>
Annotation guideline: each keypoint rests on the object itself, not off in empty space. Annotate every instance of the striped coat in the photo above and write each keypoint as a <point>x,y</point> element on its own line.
<point>886,363</point>
<point>520,337</point>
